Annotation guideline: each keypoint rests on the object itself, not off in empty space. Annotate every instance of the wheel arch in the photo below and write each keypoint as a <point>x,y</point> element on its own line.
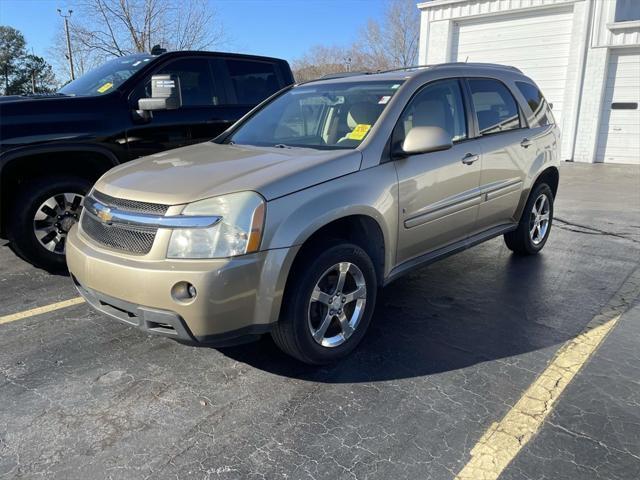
<point>16,167</point>
<point>550,175</point>
<point>357,228</point>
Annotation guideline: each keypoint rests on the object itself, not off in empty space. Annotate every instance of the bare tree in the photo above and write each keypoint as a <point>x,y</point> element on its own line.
<point>321,60</point>
<point>101,29</point>
<point>391,43</point>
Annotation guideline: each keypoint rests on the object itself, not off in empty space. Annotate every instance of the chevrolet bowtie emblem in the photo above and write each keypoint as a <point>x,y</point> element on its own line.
<point>104,214</point>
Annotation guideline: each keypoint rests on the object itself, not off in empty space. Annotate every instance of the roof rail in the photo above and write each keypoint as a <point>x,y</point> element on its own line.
<point>476,64</point>
<point>399,69</point>
<point>329,76</point>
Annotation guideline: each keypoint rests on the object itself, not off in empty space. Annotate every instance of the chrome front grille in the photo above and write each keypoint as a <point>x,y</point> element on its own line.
<point>129,238</point>
<point>134,239</point>
<point>130,205</point>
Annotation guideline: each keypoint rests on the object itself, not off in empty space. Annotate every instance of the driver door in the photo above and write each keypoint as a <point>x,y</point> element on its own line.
<point>439,192</point>
<point>191,123</point>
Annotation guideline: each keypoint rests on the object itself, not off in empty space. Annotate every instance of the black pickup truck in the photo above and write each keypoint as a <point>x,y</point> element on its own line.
<point>54,147</point>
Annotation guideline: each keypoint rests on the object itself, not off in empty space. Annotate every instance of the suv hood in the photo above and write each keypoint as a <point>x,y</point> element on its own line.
<point>208,169</point>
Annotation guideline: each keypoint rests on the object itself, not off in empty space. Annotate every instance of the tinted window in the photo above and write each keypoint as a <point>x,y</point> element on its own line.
<point>439,105</point>
<point>496,109</point>
<point>196,82</point>
<point>252,81</point>
<point>540,116</point>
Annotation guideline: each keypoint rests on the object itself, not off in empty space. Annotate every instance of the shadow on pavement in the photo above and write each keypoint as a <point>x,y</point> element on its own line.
<point>443,318</point>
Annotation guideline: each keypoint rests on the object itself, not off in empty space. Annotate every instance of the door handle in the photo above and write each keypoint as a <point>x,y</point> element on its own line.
<point>526,143</point>
<point>469,158</point>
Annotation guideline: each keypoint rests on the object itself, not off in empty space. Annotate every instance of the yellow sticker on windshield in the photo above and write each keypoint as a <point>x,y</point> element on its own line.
<point>105,87</point>
<point>359,132</point>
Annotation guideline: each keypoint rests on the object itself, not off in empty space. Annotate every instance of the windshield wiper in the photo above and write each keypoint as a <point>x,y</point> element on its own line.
<point>282,145</point>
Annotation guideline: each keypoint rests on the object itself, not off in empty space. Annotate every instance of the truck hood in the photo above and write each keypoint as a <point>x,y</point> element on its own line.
<point>208,169</point>
<point>32,119</point>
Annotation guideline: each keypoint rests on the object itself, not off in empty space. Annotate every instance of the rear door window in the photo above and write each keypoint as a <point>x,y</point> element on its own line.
<point>541,115</point>
<point>252,81</point>
<point>496,109</point>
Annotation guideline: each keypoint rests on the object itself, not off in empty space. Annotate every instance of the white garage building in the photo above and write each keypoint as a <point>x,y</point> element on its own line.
<point>584,55</point>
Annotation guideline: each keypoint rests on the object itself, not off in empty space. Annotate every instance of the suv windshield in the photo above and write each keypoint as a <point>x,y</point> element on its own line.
<point>335,115</point>
<point>106,77</point>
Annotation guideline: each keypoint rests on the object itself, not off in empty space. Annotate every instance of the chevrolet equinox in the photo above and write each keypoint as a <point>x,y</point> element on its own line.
<point>291,220</point>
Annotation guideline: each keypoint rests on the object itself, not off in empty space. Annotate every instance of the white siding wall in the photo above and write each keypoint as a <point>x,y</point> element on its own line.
<point>619,131</point>
<point>538,43</point>
<point>438,44</point>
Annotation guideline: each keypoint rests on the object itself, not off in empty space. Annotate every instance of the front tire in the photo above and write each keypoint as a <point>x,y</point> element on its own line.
<point>43,212</point>
<point>535,224</point>
<point>328,304</point>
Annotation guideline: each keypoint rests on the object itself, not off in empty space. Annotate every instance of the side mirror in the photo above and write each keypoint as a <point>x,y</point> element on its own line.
<point>165,94</point>
<point>425,140</point>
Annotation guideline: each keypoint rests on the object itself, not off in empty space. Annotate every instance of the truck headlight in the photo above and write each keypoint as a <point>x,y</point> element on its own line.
<point>238,232</point>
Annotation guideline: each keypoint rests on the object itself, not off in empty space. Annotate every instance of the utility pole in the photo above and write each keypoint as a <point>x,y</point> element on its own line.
<point>33,81</point>
<point>66,29</point>
<point>347,62</point>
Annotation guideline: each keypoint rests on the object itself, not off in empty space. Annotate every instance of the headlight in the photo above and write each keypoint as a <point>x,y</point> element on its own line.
<point>238,232</point>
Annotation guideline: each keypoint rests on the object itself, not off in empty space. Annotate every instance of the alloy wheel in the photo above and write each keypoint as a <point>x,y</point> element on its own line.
<point>539,220</point>
<point>337,304</point>
<point>54,218</point>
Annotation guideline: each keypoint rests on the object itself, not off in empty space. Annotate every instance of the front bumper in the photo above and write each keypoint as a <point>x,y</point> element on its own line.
<point>237,298</point>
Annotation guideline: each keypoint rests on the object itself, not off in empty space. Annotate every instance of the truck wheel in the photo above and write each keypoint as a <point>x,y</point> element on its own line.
<point>42,214</point>
<point>328,305</point>
<point>535,224</point>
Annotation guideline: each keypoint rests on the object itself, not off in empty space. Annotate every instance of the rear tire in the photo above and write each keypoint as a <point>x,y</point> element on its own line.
<point>322,321</point>
<point>535,224</point>
<point>28,203</point>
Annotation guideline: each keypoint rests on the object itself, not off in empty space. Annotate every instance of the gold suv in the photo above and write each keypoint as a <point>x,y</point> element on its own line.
<point>291,220</point>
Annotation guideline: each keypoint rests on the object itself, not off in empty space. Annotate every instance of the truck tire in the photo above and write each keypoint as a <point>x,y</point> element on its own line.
<point>41,215</point>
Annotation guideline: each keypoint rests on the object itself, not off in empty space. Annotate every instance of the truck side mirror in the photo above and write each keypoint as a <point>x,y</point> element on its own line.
<point>165,94</point>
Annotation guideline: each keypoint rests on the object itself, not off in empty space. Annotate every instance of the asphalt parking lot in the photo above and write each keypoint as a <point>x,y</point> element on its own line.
<point>453,352</point>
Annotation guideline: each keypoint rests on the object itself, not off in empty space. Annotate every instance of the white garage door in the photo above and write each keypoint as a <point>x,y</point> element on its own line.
<point>619,135</point>
<point>538,44</point>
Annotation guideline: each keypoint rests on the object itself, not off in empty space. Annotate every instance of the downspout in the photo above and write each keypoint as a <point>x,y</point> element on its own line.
<point>586,28</point>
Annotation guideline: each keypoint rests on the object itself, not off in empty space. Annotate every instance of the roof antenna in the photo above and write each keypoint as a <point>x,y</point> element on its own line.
<point>466,59</point>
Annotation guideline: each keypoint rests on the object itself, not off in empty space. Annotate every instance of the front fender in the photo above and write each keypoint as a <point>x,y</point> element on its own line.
<point>292,219</point>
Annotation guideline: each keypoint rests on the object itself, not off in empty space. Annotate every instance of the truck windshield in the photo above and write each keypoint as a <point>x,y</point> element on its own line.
<point>321,116</point>
<point>107,77</point>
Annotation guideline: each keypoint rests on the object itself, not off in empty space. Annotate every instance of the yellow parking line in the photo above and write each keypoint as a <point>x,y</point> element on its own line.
<point>502,441</point>
<point>40,310</point>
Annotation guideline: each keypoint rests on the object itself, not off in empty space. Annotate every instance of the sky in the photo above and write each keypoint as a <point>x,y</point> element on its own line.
<point>279,28</point>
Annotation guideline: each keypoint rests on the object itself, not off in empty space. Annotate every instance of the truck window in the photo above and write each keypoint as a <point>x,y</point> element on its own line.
<point>253,81</point>
<point>196,82</point>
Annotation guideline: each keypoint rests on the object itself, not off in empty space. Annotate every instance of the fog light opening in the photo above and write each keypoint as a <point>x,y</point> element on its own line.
<point>184,292</point>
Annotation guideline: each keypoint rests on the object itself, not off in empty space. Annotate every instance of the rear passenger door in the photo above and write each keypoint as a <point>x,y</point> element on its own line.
<point>438,191</point>
<point>507,153</point>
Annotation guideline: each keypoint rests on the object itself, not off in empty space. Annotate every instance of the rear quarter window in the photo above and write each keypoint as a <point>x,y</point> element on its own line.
<point>540,112</point>
<point>253,81</point>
